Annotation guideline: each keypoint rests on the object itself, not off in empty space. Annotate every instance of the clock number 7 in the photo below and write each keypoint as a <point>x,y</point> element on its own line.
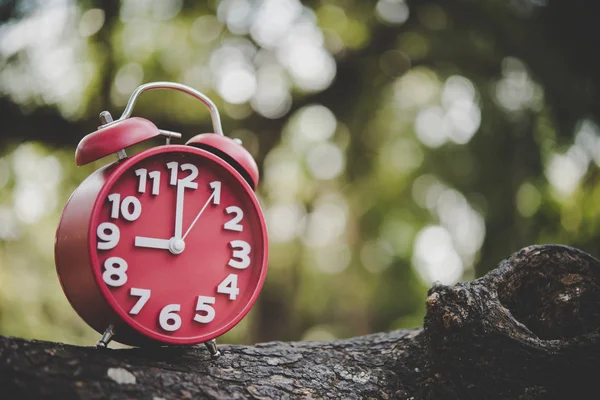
<point>144,296</point>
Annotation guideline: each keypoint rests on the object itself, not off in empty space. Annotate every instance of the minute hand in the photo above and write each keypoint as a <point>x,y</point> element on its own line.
<point>216,195</point>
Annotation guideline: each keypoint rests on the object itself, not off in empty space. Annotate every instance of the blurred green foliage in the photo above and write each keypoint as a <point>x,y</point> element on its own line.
<point>400,143</point>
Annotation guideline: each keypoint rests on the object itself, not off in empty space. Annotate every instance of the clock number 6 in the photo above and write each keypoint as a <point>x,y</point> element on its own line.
<point>241,254</point>
<point>168,318</point>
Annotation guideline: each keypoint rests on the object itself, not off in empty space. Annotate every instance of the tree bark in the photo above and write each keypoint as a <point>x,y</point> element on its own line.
<point>526,330</point>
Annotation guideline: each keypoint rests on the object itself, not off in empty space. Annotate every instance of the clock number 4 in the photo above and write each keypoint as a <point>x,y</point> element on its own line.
<point>229,286</point>
<point>143,174</point>
<point>130,208</point>
<point>188,180</point>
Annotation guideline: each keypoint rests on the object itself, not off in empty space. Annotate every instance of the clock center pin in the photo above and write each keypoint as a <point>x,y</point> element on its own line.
<point>176,246</point>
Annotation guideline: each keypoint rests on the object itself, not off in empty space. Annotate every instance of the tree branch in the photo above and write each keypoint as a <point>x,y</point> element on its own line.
<point>526,330</point>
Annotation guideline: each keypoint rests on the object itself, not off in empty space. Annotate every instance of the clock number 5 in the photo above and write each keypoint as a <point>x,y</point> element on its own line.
<point>204,305</point>
<point>241,254</point>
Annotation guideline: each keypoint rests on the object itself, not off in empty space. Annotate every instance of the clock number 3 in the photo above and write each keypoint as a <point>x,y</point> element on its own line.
<point>241,254</point>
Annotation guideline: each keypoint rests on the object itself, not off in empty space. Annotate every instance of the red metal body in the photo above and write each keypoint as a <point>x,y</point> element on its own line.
<point>114,137</point>
<point>173,279</point>
<point>243,161</point>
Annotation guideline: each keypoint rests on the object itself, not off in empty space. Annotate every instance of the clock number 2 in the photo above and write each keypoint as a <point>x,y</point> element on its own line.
<point>234,223</point>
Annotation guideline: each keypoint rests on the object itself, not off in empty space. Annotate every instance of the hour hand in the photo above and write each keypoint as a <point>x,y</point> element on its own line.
<point>152,243</point>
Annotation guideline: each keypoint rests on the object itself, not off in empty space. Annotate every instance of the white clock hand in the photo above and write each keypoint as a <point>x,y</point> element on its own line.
<point>179,209</point>
<point>152,243</point>
<point>216,195</point>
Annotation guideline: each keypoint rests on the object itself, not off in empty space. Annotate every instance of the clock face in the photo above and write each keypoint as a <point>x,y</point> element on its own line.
<point>178,244</point>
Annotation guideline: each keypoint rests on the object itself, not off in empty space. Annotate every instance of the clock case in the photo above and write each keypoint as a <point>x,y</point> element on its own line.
<point>73,241</point>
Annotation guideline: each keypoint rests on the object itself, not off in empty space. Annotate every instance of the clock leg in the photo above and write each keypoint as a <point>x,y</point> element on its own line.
<point>106,337</point>
<point>211,345</point>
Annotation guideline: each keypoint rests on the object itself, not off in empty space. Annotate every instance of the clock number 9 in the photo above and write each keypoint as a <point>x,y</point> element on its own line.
<point>109,235</point>
<point>115,267</point>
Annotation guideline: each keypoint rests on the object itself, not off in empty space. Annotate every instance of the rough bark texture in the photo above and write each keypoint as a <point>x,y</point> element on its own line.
<point>527,330</point>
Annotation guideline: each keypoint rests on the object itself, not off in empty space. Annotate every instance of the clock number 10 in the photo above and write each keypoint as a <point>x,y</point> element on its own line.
<point>130,208</point>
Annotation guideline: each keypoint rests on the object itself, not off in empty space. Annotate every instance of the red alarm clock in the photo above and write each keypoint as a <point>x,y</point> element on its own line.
<point>168,246</point>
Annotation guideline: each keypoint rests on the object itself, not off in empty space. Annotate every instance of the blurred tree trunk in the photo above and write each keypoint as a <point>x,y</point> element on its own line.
<point>526,330</point>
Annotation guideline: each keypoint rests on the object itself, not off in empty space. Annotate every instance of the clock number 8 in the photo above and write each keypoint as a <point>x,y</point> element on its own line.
<point>115,267</point>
